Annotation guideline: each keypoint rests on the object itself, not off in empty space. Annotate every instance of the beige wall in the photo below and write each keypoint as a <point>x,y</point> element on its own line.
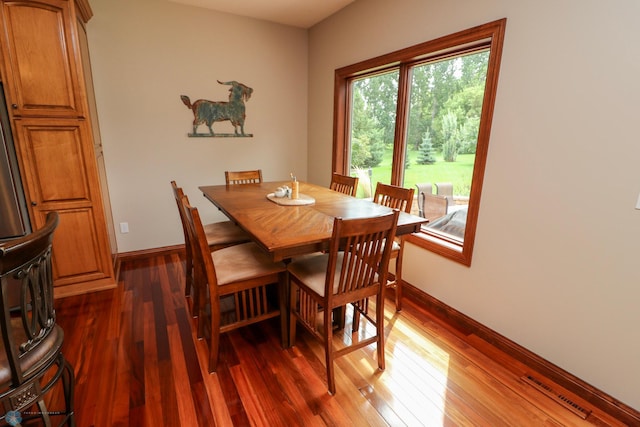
<point>555,265</point>
<point>145,54</point>
<point>555,262</point>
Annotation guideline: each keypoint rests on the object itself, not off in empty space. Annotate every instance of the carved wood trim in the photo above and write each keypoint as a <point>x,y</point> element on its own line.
<point>84,10</point>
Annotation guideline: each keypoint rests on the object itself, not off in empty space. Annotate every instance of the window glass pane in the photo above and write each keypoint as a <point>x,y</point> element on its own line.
<point>372,127</point>
<point>421,116</point>
<point>442,135</point>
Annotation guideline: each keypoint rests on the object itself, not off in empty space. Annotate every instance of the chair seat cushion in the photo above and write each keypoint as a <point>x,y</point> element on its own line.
<point>243,261</point>
<point>312,270</point>
<point>36,358</point>
<point>224,232</point>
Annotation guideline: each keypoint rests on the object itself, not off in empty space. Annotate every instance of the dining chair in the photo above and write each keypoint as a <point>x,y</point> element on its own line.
<point>218,234</point>
<point>240,284</point>
<point>243,177</point>
<point>434,206</point>
<point>445,189</point>
<point>423,188</point>
<point>396,198</point>
<point>344,184</point>
<point>355,268</point>
<point>31,360</point>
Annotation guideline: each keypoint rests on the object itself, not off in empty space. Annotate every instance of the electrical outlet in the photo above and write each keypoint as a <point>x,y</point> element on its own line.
<point>124,227</point>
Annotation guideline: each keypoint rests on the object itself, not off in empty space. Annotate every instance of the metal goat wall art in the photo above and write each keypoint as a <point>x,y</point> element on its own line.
<point>208,112</point>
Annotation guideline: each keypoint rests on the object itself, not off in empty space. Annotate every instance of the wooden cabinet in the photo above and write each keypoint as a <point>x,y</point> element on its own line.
<point>46,79</point>
<point>38,52</point>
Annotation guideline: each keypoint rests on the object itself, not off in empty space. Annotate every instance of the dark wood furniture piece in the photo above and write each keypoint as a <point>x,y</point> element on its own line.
<point>289,231</point>
<point>243,177</point>
<point>235,286</point>
<point>354,269</point>
<point>218,234</point>
<point>397,198</point>
<point>344,184</point>
<point>31,361</point>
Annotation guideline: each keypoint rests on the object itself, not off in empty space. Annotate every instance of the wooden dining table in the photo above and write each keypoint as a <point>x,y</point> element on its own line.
<point>286,231</point>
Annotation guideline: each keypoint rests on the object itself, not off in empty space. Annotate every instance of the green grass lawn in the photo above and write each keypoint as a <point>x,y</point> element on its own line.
<point>459,173</point>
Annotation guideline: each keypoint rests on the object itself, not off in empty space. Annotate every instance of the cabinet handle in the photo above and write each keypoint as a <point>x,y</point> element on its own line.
<point>34,203</point>
<point>14,106</point>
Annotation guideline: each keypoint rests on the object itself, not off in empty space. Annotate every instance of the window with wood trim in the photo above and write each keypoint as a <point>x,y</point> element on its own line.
<point>421,117</point>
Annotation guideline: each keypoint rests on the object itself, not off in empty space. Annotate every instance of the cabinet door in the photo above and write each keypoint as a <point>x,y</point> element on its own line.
<point>37,44</point>
<point>60,174</point>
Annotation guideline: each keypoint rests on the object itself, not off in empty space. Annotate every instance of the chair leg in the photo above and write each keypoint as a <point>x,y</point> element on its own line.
<point>380,332</point>
<point>339,317</point>
<point>328,350</point>
<point>200,306</point>
<point>283,281</point>
<point>42,408</point>
<point>188,272</point>
<point>194,286</point>
<point>214,349</point>
<point>292,317</point>
<point>68,385</point>
<point>398,285</point>
<point>355,322</point>
<point>357,306</point>
<point>65,372</point>
<point>214,344</point>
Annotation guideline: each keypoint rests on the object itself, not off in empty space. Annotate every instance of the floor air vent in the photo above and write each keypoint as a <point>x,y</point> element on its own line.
<point>558,397</point>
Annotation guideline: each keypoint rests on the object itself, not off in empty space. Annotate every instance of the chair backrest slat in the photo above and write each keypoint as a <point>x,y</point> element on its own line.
<point>424,188</point>
<point>243,177</point>
<point>434,206</point>
<point>394,197</point>
<point>445,189</point>
<point>344,184</point>
<point>359,245</point>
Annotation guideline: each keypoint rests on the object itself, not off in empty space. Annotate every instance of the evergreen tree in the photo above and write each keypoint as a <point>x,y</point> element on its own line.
<point>426,152</point>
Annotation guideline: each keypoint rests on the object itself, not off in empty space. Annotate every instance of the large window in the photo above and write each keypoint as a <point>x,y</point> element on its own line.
<point>420,118</point>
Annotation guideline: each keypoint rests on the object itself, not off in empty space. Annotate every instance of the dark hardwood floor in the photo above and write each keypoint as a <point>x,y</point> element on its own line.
<point>137,364</point>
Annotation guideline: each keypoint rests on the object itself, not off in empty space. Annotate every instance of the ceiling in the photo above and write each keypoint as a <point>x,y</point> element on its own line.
<point>297,13</point>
